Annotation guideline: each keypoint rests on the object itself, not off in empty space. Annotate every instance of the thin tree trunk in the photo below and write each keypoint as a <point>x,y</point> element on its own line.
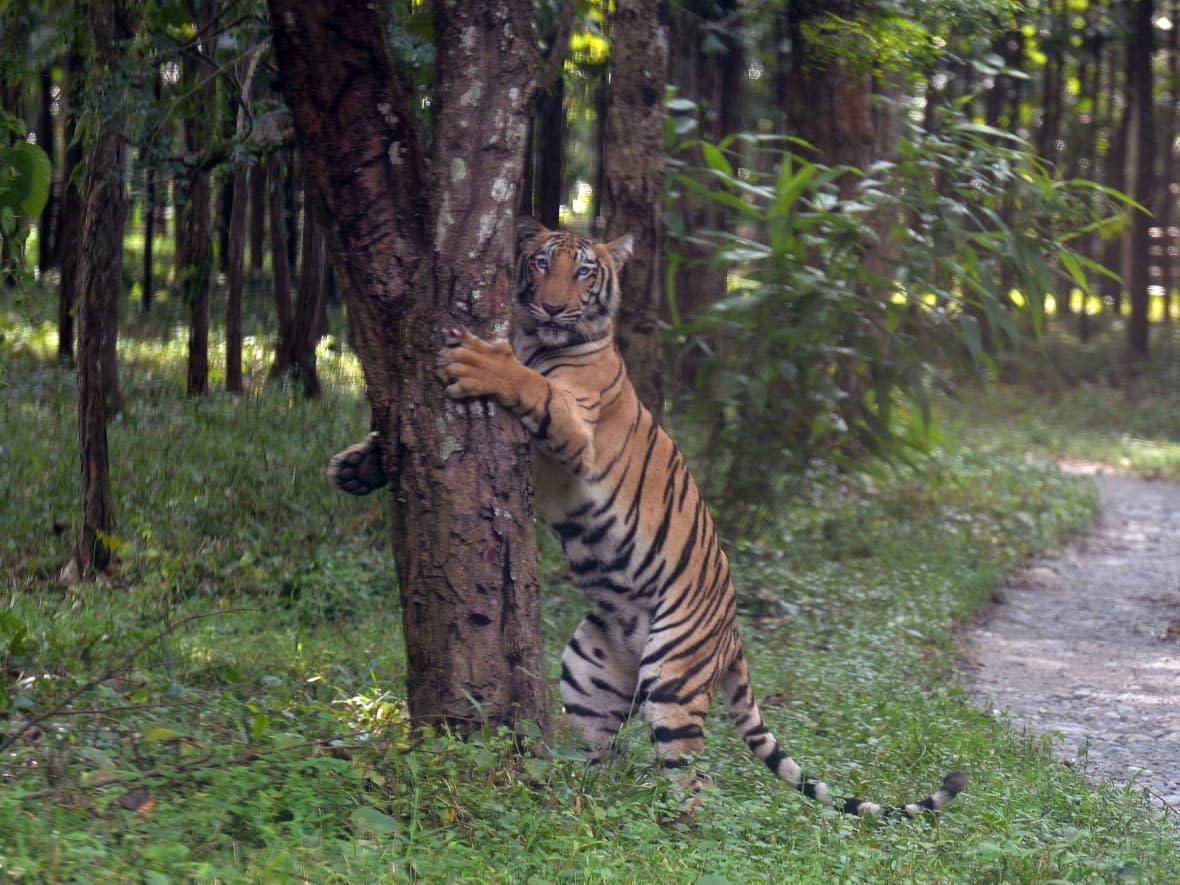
<point>197,277</point>
<point>1049,139</point>
<point>550,154</point>
<point>281,269</point>
<point>236,239</point>
<point>257,219</point>
<point>195,228</point>
<point>1115,177</point>
<point>47,254</point>
<point>1091,79</point>
<point>1142,151</point>
<point>69,235</point>
<point>151,211</point>
<point>310,302</point>
<point>233,302</point>
<point>1167,129</point>
<point>222,220</point>
<point>635,186</point>
<point>602,106</point>
<point>463,536</point>
<point>149,237</point>
<point>543,178</point>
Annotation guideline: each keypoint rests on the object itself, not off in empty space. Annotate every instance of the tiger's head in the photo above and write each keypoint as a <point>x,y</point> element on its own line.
<point>567,285</point>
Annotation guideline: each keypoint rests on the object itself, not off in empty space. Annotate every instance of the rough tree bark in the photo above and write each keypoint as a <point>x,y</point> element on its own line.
<point>99,278</point>
<point>635,185</point>
<point>417,252</point>
<point>829,104</point>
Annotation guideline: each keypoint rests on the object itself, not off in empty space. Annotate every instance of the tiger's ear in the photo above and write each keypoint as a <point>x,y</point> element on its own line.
<point>527,230</point>
<point>620,250</point>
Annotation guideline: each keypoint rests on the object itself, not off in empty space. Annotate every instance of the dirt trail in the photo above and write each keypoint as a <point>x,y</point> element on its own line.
<point>1088,644</point>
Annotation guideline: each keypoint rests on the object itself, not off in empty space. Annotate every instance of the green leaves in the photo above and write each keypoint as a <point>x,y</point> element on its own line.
<point>848,287</point>
<point>25,177</point>
<point>370,820</point>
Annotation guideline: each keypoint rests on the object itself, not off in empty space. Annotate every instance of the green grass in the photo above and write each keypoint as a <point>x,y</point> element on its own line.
<point>1091,402</point>
<point>226,704</point>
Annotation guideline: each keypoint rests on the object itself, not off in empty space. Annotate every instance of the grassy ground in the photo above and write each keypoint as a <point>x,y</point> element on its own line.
<point>225,706</point>
<point>1087,401</point>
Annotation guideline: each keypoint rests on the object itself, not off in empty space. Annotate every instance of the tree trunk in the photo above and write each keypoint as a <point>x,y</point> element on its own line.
<point>100,276</point>
<point>544,170</point>
<point>47,254</point>
<point>1090,78</point>
<point>69,235</point>
<point>281,269</point>
<point>829,104</point>
<point>150,212</point>
<point>222,220</point>
<point>1167,199</point>
<point>235,260</point>
<point>716,82</point>
<point>196,278</point>
<point>310,301</point>
<point>195,228</point>
<point>236,234</point>
<point>463,530</point>
<point>149,238</point>
<point>550,138</point>
<point>635,185</point>
<point>1115,176</point>
<point>1141,149</point>
<point>257,219</point>
<point>1049,142</point>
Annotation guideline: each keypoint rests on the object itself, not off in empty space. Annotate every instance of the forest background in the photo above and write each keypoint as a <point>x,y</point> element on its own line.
<point>844,213</point>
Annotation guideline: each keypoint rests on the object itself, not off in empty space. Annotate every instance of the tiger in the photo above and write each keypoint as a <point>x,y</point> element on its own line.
<point>661,636</point>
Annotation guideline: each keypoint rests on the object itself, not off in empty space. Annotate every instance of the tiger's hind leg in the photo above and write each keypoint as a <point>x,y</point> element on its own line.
<point>598,682</point>
<point>676,703</point>
<point>358,470</point>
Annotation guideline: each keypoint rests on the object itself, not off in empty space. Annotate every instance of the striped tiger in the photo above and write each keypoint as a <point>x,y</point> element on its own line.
<point>661,637</point>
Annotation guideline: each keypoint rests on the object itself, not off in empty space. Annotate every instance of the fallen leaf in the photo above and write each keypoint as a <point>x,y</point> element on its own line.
<point>138,800</point>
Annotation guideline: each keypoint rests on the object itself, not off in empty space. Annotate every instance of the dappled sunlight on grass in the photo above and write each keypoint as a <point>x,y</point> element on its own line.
<point>1088,401</point>
<point>23,341</point>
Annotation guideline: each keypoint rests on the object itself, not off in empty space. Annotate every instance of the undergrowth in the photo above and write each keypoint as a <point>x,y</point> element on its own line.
<point>226,705</point>
<point>1089,401</point>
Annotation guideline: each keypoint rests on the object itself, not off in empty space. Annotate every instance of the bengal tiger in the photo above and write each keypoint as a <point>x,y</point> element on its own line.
<point>661,636</point>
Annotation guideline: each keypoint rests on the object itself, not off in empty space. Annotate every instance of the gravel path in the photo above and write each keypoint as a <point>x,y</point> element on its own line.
<point>1088,645</point>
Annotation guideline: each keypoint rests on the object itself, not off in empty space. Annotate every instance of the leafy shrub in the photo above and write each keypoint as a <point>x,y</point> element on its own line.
<point>845,302</point>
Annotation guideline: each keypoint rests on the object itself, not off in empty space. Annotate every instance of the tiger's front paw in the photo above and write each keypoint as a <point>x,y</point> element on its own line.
<point>470,366</point>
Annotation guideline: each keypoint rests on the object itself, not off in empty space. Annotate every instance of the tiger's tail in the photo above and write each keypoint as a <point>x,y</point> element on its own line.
<point>743,707</point>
